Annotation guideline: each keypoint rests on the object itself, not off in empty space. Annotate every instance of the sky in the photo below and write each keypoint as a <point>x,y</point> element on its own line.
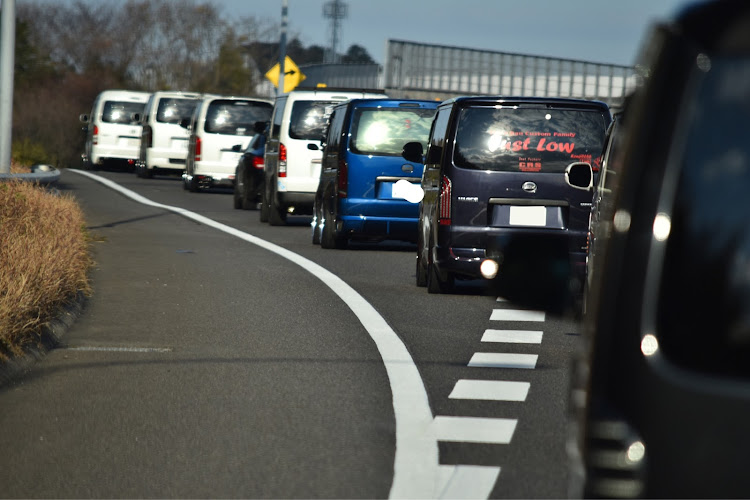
<point>606,31</point>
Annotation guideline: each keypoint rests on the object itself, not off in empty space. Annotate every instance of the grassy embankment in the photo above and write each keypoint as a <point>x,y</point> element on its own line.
<point>44,261</point>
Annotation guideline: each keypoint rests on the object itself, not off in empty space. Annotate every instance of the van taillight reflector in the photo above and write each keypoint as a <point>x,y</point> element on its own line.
<point>258,162</point>
<point>198,149</point>
<point>444,215</point>
<point>342,178</point>
<point>95,138</point>
<point>282,160</point>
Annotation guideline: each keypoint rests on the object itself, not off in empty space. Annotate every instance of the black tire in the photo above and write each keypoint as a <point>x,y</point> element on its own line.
<point>329,237</point>
<point>316,224</point>
<point>276,214</point>
<point>193,185</point>
<point>264,208</point>
<point>435,284</point>
<point>185,184</point>
<point>421,271</point>
<point>248,202</point>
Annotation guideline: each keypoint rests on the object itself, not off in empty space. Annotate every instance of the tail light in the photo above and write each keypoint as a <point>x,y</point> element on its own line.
<point>198,147</point>
<point>258,162</point>
<point>343,178</point>
<point>444,214</point>
<point>95,138</point>
<point>282,160</point>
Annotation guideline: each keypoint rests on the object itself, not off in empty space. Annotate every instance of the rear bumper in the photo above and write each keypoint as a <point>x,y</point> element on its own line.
<point>396,228</point>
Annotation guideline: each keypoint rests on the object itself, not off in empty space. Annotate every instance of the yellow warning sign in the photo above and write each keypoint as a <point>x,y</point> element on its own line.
<point>292,75</point>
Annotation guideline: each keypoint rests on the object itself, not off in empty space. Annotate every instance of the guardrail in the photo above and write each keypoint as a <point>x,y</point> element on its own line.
<point>42,174</point>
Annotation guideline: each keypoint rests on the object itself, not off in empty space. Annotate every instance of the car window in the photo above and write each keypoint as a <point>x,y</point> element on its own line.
<point>121,111</point>
<point>333,138</point>
<point>704,298</point>
<point>383,132</point>
<point>309,118</point>
<point>172,110</point>
<point>513,139</point>
<point>235,117</point>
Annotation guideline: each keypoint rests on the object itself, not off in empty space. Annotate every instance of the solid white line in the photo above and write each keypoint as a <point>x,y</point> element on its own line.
<point>513,336</point>
<point>503,360</point>
<point>516,315</point>
<point>467,481</point>
<point>415,468</point>
<point>475,430</point>
<point>490,390</point>
<point>119,349</point>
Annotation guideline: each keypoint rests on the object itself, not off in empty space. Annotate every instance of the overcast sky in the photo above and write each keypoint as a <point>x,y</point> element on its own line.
<point>608,31</point>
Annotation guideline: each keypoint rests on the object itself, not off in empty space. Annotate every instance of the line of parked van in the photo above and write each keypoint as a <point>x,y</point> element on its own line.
<point>478,183</point>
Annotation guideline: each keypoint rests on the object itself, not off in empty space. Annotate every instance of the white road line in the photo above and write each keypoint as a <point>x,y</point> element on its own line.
<point>516,315</point>
<point>416,463</point>
<point>513,336</point>
<point>119,349</point>
<point>467,481</point>
<point>475,430</point>
<point>503,360</point>
<point>490,390</point>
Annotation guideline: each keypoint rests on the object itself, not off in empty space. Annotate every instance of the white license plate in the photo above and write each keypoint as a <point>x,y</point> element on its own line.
<point>528,216</point>
<point>179,144</point>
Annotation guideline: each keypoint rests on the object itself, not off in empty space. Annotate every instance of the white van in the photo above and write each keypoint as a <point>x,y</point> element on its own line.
<point>293,154</point>
<point>113,133</point>
<point>164,143</point>
<point>220,129</point>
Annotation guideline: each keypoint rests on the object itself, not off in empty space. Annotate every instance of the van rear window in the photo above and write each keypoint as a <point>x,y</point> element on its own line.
<point>172,110</point>
<point>232,117</point>
<point>524,139</point>
<point>384,132</point>
<point>309,118</point>
<point>121,111</point>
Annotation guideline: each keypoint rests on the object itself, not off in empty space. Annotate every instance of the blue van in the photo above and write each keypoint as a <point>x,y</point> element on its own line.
<point>367,190</point>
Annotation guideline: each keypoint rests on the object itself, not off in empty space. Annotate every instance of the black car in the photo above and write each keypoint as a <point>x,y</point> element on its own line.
<point>661,392</point>
<point>248,176</point>
<point>497,171</point>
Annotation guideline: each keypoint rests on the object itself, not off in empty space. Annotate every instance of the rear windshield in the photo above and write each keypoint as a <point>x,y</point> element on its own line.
<point>236,117</point>
<point>121,111</point>
<point>308,121</point>
<point>521,139</point>
<point>172,110</point>
<point>384,132</point>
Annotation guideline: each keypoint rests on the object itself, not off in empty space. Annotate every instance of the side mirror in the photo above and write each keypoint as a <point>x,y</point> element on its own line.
<point>260,127</point>
<point>84,118</point>
<point>312,146</point>
<point>185,123</point>
<point>237,148</point>
<point>413,152</point>
<point>580,176</point>
<point>136,117</point>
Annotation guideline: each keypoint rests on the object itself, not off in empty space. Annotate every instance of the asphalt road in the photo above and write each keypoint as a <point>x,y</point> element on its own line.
<point>205,365</point>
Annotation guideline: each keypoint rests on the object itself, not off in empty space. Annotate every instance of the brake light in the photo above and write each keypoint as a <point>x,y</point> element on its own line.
<point>95,138</point>
<point>444,213</point>
<point>342,178</point>
<point>258,162</point>
<point>198,148</point>
<point>282,160</point>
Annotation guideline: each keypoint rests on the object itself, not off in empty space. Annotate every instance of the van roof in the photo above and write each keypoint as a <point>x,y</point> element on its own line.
<point>509,100</point>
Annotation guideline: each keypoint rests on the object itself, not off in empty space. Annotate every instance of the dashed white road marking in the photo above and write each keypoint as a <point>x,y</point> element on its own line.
<point>118,349</point>
<point>516,315</point>
<point>513,336</point>
<point>474,430</point>
<point>503,360</point>
<point>490,390</point>
<point>467,481</point>
<point>416,463</point>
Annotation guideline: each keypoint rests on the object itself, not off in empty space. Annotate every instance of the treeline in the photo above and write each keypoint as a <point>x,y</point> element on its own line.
<point>67,53</point>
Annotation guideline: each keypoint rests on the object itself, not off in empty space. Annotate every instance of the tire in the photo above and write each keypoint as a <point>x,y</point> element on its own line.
<point>316,225</point>
<point>276,214</point>
<point>264,208</point>
<point>193,185</point>
<point>329,237</point>
<point>435,284</point>
<point>237,191</point>
<point>421,271</point>
<point>246,202</point>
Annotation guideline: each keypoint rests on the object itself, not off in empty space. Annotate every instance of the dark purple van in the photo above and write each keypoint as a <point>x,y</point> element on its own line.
<point>498,170</point>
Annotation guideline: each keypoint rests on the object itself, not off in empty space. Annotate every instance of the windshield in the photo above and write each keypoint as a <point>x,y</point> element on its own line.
<point>236,117</point>
<point>526,139</point>
<point>309,118</point>
<point>121,111</point>
<point>385,131</point>
<point>172,110</point>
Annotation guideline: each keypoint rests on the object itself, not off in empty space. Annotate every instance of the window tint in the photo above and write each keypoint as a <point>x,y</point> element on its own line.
<point>704,300</point>
<point>172,110</point>
<point>235,117</point>
<point>121,111</point>
<point>528,139</point>
<point>333,139</point>
<point>309,118</point>
<point>384,132</point>
<point>437,136</point>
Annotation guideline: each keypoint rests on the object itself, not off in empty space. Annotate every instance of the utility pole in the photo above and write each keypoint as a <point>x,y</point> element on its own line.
<point>282,46</point>
<point>335,10</point>
<point>7,62</point>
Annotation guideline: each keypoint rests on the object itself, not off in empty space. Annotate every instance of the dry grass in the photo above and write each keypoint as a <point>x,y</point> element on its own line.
<point>44,260</point>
